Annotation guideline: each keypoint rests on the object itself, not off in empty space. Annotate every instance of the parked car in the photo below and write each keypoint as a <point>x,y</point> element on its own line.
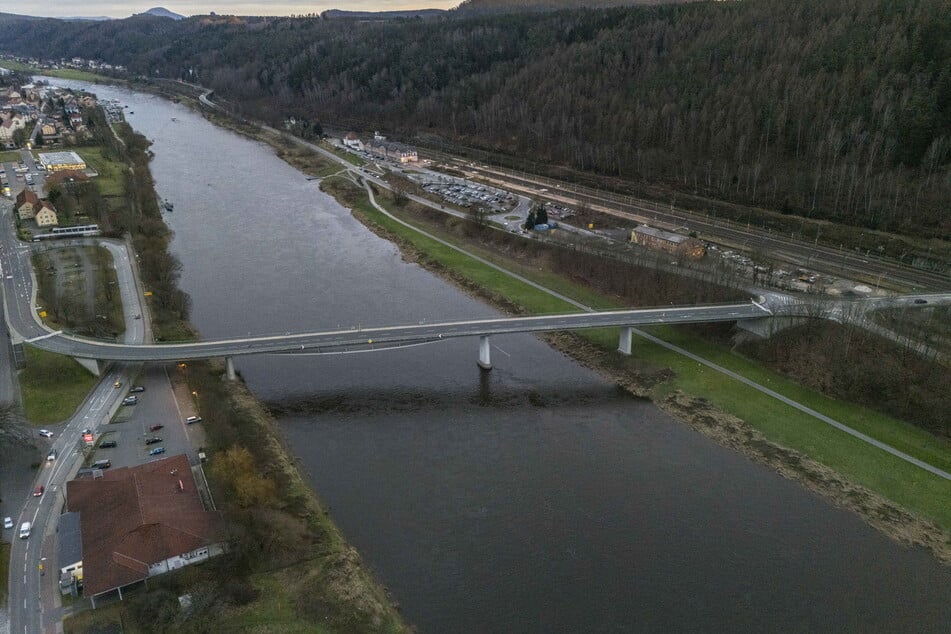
<point>109,444</point>
<point>135,389</point>
<point>38,491</point>
<point>8,522</point>
<point>46,433</point>
<point>152,440</point>
<point>156,427</point>
<point>192,419</point>
<point>130,400</point>
<point>157,451</point>
<point>101,464</point>
<point>921,301</point>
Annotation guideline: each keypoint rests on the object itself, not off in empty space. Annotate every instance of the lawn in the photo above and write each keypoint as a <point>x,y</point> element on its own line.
<point>110,179</point>
<point>104,620</point>
<point>350,157</point>
<point>896,479</point>
<point>52,386</point>
<point>64,73</point>
<point>11,156</point>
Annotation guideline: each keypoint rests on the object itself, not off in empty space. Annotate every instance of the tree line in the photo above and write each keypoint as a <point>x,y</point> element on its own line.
<point>834,109</point>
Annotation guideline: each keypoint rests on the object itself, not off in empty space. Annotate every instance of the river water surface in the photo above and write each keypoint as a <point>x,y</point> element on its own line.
<point>535,498</point>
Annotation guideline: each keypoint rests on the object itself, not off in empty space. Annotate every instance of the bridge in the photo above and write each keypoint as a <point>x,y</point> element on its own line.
<point>366,338</point>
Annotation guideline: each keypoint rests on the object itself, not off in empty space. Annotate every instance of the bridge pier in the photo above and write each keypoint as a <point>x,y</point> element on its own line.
<point>624,344</point>
<point>229,369</point>
<point>485,358</point>
<point>94,366</point>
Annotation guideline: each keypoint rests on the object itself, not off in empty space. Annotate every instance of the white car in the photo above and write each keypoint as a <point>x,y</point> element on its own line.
<point>45,433</point>
<point>8,522</point>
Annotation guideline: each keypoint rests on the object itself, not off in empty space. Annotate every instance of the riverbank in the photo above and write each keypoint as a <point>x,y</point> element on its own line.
<point>290,569</point>
<point>301,570</point>
<point>851,474</point>
<point>659,373</point>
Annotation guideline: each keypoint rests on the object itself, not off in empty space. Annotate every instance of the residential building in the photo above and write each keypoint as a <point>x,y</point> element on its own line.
<point>139,522</point>
<point>9,126</point>
<point>26,204</point>
<point>379,146</point>
<point>45,214</point>
<point>673,243</point>
<point>351,140</point>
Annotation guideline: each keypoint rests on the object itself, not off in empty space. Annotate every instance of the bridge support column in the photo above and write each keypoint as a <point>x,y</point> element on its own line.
<point>624,344</point>
<point>229,369</point>
<point>485,358</point>
<point>92,365</point>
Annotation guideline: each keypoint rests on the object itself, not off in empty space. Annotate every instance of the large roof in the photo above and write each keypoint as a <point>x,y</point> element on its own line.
<point>69,539</point>
<point>60,158</point>
<point>667,236</point>
<point>136,516</point>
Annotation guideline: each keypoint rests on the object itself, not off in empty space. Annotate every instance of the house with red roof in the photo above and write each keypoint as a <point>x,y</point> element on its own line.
<point>139,522</point>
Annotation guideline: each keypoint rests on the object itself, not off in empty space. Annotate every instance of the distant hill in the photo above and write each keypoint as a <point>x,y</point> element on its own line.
<point>162,12</point>
<point>502,6</point>
<point>339,14</point>
<point>17,16</point>
<point>92,18</point>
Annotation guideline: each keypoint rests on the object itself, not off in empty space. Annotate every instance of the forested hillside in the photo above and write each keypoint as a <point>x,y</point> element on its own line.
<point>836,109</point>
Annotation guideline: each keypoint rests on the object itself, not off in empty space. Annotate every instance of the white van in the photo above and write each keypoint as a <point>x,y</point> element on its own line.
<point>25,530</point>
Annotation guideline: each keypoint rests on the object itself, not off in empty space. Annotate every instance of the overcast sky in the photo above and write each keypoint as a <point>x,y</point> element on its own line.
<point>118,9</point>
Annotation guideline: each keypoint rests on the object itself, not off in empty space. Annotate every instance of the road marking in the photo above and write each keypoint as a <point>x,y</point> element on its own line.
<point>501,350</point>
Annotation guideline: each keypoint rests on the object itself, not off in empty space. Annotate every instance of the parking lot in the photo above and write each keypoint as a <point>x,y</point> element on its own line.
<point>469,195</point>
<point>133,424</point>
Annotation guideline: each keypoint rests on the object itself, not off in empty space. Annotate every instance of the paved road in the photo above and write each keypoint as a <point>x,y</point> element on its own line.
<point>335,340</point>
<point>27,611</point>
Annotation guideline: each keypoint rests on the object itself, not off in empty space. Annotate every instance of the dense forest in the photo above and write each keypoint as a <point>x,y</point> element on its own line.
<point>836,109</point>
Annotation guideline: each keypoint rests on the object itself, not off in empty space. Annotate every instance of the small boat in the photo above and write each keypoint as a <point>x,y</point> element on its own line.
<point>174,119</point>
<point>168,206</point>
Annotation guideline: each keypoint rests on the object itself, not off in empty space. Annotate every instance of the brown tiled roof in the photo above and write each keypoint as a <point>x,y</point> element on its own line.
<point>136,516</point>
<point>65,175</point>
<point>43,204</point>
<point>27,196</point>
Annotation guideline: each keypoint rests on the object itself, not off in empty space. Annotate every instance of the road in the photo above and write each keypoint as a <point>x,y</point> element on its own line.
<point>28,611</point>
<point>357,335</point>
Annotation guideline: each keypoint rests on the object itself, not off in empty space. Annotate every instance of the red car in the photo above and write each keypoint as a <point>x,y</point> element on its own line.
<point>156,427</point>
<point>38,491</point>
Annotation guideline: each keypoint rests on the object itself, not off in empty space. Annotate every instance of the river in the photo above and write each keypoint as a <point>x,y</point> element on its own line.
<point>533,498</point>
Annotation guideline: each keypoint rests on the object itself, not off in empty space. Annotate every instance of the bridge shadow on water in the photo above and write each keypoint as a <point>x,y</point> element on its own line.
<point>486,394</point>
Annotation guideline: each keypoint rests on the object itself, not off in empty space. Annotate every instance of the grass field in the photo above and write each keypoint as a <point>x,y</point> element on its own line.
<point>349,157</point>
<point>10,156</point>
<point>53,386</point>
<point>897,480</point>
<point>65,73</point>
<point>110,172</point>
<point>103,620</point>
